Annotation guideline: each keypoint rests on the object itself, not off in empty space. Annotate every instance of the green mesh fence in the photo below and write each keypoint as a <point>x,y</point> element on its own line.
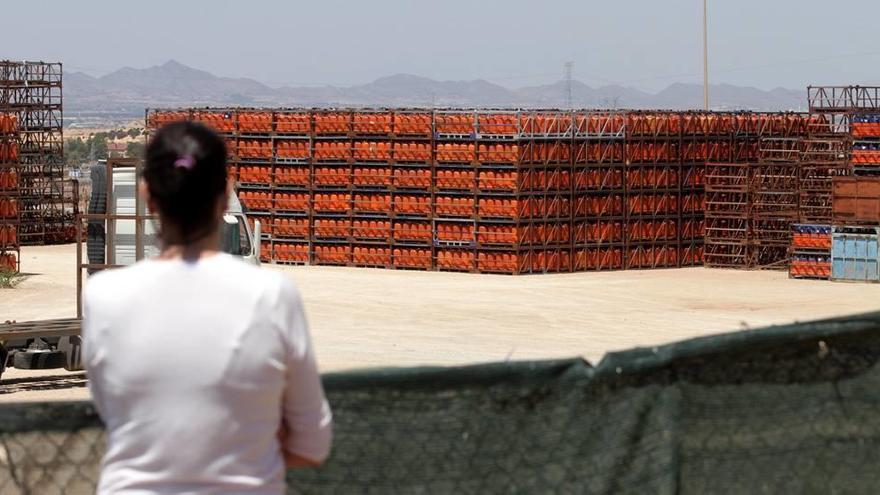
<point>789,409</point>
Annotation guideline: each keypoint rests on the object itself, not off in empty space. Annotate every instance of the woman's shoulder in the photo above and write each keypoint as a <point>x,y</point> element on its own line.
<point>113,280</point>
<point>255,276</point>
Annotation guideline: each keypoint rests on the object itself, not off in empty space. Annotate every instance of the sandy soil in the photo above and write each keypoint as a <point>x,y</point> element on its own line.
<point>86,132</point>
<point>365,318</point>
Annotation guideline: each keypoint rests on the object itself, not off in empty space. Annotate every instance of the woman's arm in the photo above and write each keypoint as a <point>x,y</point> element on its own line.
<point>306,419</point>
<point>294,461</point>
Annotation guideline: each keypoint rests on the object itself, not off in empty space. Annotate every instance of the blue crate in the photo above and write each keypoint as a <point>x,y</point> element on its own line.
<point>855,254</point>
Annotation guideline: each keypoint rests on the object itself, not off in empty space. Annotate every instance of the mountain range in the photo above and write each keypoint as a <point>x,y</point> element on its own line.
<point>127,92</point>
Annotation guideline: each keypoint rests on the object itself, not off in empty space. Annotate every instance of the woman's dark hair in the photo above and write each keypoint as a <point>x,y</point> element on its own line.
<point>185,173</point>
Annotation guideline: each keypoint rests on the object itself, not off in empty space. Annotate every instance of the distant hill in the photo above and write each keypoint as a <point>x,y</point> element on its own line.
<point>127,92</point>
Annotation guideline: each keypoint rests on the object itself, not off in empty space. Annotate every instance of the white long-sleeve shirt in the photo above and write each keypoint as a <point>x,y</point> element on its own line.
<point>192,366</point>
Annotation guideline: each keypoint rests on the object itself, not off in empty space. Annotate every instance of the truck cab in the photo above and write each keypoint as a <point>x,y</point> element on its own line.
<point>119,231</point>
<point>129,233</point>
<point>236,235</point>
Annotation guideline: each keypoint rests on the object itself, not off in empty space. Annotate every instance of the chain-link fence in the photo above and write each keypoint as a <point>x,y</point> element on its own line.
<point>791,409</point>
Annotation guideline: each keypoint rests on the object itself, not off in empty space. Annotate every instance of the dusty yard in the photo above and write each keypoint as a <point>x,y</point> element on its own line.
<point>365,318</point>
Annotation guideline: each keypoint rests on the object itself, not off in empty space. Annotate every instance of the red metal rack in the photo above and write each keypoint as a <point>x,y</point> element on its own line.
<point>503,191</point>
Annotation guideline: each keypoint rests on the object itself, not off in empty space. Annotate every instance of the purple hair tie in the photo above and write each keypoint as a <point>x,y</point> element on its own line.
<point>185,161</point>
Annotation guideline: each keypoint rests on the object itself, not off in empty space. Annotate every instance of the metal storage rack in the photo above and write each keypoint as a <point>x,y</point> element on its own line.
<point>499,191</point>
<point>33,92</point>
<point>10,194</point>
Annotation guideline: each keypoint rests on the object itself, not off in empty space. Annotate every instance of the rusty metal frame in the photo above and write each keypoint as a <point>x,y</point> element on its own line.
<point>34,92</point>
<point>109,219</point>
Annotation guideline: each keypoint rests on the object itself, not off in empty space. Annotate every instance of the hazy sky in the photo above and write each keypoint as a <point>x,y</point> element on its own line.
<point>643,43</point>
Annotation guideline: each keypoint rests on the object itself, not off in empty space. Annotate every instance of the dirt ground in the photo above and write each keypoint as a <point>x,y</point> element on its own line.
<point>366,318</point>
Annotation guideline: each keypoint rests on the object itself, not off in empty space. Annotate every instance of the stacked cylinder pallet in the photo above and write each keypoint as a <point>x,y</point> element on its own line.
<point>663,185</point>
<point>753,200</point>
<point>865,134</point>
<point>32,91</point>
<point>728,212</point>
<point>852,117</point>
<point>9,193</point>
<point>810,252</point>
<point>484,191</point>
<point>776,198</point>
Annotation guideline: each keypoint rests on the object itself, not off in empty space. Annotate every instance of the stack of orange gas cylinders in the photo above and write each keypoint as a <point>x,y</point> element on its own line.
<point>498,124</point>
<point>407,152</point>
<point>455,179</point>
<point>651,256</point>
<point>332,228</point>
<point>412,231</point>
<point>412,258</point>
<point>255,122</point>
<point>249,173</point>
<point>372,123</point>
<point>492,207</point>
<point>599,232</point>
<point>292,149</point>
<point>371,255</point>
<point>455,153</point>
<point>454,206</point>
<point>332,150</point>
<point>448,259</point>
<point>332,122</point>
<point>256,200</point>
<point>491,180</point>
<point>488,261</point>
<point>524,191</point>
<point>454,123</point>
<point>332,202</point>
<point>331,176</point>
<point>292,176</point>
<point>254,148</point>
<point>651,230</point>
<point>291,253</point>
<point>8,140</point>
<point>333,254</point>
<point>8,179</point>
<point>8,262</point>
<point>8,151</point>
<point>292,123</point>
<point>291,227</point>
<point>378,203</point>
<point>598,258</point>
<point>412,124</point>
<point>497,234</point>
<point>371,229</point>
<point>498,153</point>
<point>294,202</point>
<point>8,237</point>
<point>412,204</point>
<point>219,121</point>
<point>372,176</point>
<point>412,177</point>
<point>372,151</point>
<point>455,232</point>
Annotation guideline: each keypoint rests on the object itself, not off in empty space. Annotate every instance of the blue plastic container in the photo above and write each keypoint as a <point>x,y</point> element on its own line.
<point>855,254</point>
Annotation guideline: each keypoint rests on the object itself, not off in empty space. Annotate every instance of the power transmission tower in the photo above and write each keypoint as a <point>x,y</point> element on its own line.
<point>568,67</point>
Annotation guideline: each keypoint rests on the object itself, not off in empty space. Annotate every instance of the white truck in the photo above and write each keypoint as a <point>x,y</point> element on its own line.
<point>118,233</point>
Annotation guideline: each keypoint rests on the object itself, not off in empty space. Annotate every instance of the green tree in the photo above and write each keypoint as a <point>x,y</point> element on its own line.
<point>98,146</point>
<point>135,132</point>
<point>135,149</point>
<point>76,152</point>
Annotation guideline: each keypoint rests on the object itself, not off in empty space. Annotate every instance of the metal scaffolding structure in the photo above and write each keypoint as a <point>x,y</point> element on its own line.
<point>10,194</point>
<point>511,191</point>
<point>33,92</point>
